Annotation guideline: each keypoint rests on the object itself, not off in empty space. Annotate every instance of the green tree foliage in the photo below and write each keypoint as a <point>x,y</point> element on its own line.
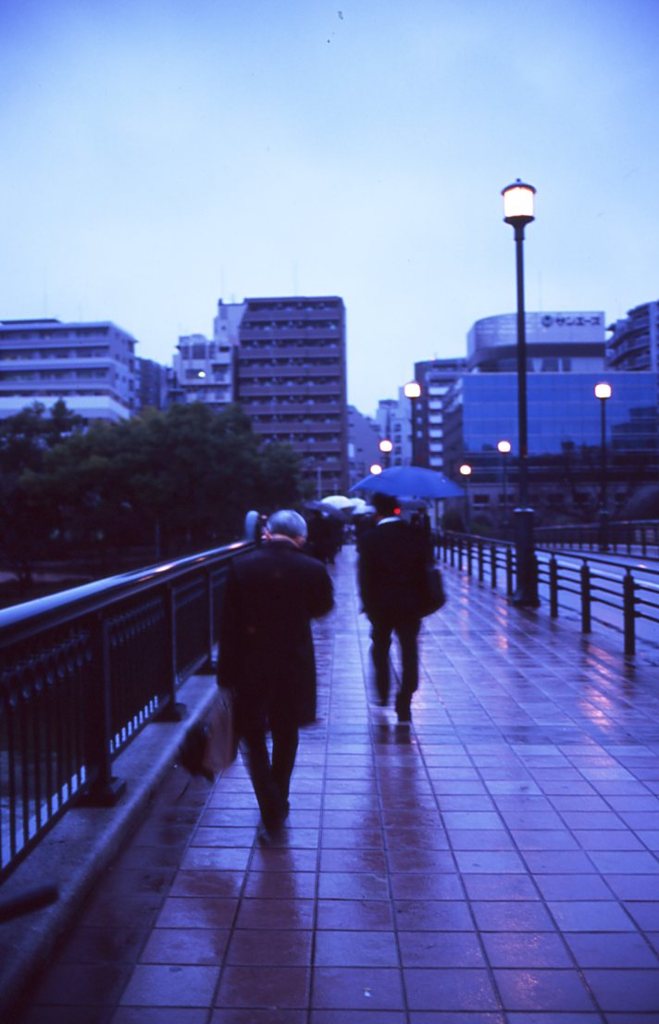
<point>26,519</point>
<point>170,482</point>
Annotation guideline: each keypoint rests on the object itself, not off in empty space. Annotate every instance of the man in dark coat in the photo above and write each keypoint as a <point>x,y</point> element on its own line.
<point>391,572</point>
<point>267,656</point>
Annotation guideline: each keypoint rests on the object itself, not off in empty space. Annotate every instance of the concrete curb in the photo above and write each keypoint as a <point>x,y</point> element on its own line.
<point>87,839</point>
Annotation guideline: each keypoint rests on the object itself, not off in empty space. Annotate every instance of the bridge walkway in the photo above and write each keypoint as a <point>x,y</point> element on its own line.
<point>495,863</point>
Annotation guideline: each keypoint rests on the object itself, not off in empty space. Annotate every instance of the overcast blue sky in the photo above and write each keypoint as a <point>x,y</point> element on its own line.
<point>160,154</point>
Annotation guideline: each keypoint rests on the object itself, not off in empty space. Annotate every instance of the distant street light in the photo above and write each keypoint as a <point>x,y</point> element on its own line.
<point>465,473</point>
<point>603,392</point>
<point>412,390</point>
<point>504,448</point>
<point>376,469</point>
<point>386,447</point>
<point>518,208</point>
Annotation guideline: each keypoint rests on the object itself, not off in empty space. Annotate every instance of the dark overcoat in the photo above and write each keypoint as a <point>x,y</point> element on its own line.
<point>266,652</point>
<point>392,564</point>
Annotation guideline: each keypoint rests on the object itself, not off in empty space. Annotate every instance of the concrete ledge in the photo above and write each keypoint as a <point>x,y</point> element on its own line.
<point>86,840</point>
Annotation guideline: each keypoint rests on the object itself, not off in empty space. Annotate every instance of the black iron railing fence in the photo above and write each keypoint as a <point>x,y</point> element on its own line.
<point>82,671</point>
<point>616,592</point>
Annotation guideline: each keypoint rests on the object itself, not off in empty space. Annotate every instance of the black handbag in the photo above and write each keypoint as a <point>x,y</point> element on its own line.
<point>434,595</point>
<point>210,746</point>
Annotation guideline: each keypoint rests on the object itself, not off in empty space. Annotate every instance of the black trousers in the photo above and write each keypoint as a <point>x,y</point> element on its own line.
<point>271,778</point>
<point>407,633</point>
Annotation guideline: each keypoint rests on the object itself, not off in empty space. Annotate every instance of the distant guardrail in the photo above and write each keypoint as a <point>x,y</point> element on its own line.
<point>611,591</point>
<point>82,671</point>
<point>640,536</point>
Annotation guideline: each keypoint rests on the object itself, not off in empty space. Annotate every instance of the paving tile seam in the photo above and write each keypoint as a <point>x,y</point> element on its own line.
<point>340,740</point>
<point>567,949</point>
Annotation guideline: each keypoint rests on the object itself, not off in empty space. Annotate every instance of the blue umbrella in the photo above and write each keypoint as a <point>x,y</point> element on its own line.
<point>410,482</point>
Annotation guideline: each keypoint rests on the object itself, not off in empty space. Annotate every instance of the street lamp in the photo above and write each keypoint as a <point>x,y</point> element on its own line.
<point>376,469</point>
<point>603,392</point>
<point>412,390</point>
<point>465,473</point>
<point>386,447</point>
<point>518,208</point>
<point>504,448</point>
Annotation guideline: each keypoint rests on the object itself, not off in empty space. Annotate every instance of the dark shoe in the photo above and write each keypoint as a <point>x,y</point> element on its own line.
<point>271,829</point>
<point>382,698</point>
<point>268,836</point>
<point>403,709</point>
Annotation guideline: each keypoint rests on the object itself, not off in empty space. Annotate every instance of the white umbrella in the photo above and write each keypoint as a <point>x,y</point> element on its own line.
<point>359,506</point>
<point>337,501</point>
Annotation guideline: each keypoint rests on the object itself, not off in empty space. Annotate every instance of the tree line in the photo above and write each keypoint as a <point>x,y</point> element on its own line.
<point>165,482</point>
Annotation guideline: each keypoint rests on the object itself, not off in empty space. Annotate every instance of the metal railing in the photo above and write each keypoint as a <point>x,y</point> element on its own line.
<point>612,592</point>
<point>82,671</point>
<point>639,537</point>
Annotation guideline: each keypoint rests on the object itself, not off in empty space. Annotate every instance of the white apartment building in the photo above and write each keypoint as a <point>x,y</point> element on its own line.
<point>91,366</point>
<point>204,368</point>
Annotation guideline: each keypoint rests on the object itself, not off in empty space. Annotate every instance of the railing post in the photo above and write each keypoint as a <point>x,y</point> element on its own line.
<point>171,711</point>
<point>644,545</point>
<point>469,555</point>
<point>493,564</point>
<point>481,560</point>
<point>509,571</point>
<point>208,582</point>
<point>102,789</point>
<point>585,598</point>
<point>629,614</point>
<point>553,587</point>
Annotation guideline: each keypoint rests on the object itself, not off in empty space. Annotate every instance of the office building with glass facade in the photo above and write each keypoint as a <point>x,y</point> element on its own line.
<point>565,360</point>
<point>564,435</point>
<point>568,342</point>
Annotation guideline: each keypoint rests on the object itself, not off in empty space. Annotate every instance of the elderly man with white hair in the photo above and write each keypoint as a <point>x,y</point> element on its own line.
<point>267,655</point>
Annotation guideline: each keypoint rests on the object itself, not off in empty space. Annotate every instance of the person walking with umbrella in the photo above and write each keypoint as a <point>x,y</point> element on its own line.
<point>393,557</point>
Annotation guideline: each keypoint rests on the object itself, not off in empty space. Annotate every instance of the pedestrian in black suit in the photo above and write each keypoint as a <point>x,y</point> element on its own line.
<point>266,653</point>
<point>391,571</point>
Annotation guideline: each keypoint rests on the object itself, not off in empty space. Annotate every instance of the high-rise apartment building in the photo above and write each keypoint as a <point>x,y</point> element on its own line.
<point>290,379</point>
<point>153,384</point>
<point>91,366</point>
<point>363,441</point>
<point>394,417</point>
<point>634,342</point>
<point>435,377</point>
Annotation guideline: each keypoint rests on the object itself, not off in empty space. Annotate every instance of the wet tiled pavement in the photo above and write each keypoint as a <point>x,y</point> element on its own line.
<point>496,863</point>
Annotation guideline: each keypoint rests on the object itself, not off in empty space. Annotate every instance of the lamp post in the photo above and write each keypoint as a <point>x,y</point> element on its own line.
<point>465,473</point>
<point>386,447</point>
<point>504,447</point>
<point>412,390</point>
<point>603,392</point>
<point>518,208</point>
